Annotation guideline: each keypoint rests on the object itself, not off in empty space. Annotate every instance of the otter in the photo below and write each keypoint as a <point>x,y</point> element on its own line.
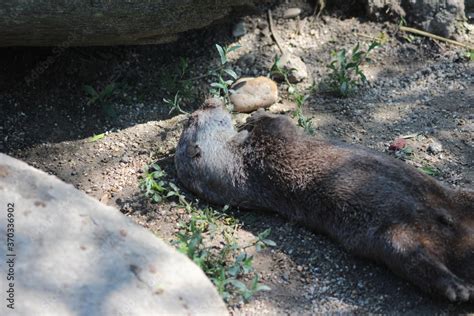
<point>375,206</point>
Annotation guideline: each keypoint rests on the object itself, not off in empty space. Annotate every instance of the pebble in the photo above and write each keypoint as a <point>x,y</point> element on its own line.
<point>250,94</point>
<point>239,29</point>
<point>247,60</point>
<point>297,68</point>
<point>282,107</point>
<point>435,148</point>
<point>291,13</point>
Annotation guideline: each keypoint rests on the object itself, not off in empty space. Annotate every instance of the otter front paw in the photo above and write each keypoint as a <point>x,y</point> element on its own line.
<point>455,290</point>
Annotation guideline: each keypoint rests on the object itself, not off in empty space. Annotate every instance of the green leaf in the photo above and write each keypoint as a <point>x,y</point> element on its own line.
<point>218,85</point>
<point>373,45</point>
<point>356,48</point>
<point>156,198</point>
<point>431,171</point>
<point>97,137</point>
<point>221,54</point>
<point>356,57</point>
<point>173,186</point>
<point>351,65</point>
<point>470,54</point>
<point>344,88</point>
<point>108,90</point>
<point>269,242</point>
<point>264,234</point>
<point>89,90</point>
<point>231,73</point>
<point>262,287</point>
<point>239,285</point>
<point>408,150</point>
<point>362,76</point>
<point>232,48</point>
<point>234,270</point>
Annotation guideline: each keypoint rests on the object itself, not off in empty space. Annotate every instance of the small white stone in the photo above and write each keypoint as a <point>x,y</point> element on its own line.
<point>291,13</point>
<point>297,68</point>
<point>435,148</point>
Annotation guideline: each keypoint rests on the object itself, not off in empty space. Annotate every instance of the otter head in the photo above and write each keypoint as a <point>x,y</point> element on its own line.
<point>205,158</point>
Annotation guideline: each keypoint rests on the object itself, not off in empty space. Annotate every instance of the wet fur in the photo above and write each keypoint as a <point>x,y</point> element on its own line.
<point>377,207</point>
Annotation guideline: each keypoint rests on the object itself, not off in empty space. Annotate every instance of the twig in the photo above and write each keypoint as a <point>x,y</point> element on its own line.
<point>439,38</point>
<point>321,4</point>
<point>275,35</point>
<point>209,73</point>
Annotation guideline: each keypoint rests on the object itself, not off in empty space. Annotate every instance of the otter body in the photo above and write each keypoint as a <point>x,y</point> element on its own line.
<point>377,207</point>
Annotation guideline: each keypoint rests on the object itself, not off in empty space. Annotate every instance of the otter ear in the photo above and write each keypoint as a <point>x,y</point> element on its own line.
<point>193,150</point>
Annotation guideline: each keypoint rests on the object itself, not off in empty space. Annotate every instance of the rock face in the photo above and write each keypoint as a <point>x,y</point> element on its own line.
<point>74,256</point>
<point>101,22</point>
<point>435,16</point>
<point>250,94</point>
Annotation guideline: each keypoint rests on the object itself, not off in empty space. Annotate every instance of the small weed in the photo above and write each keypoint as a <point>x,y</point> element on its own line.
<point>174,104</point>
<point>431,171</point>
<point>298,97</point>
<point>277,71</point>
<point>408,37</point>
<point>406,153</point>
<point>207,237</point>
<point>305,122</point>
<point>174,84</point>
<point>382,38</point>
<point>346,74</point>
<point>469,54</point>
<point>94,96</point>
<point>102,97</point>
<point>224,75</point>
<point>95,138</point>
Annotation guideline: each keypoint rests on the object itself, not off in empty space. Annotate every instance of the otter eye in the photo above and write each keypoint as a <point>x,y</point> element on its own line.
<point>193,151</point>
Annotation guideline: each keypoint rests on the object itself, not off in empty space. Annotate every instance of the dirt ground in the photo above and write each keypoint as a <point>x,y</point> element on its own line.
<point>420,89</point>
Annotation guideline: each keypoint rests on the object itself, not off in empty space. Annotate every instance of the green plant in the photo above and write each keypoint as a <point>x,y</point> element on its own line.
<point>174,104</point>
<point>153,185</point>
<point>278,71</point>
<point>431,171</point>
<point>406,153</point>
<point>298,97</point>
<point>102,97</point>
<point>173,81</point>
<point>469,54</point>
<point>207,237</point>
<point>94,96</point>
<point>346,74</point>
<point>227,266</point>
<point>305,122</point>
<point>95,137</point>
<point>224,75</point>
<point>408,37</point>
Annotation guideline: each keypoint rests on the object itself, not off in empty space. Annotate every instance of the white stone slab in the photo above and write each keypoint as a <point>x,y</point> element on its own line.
<point>76,256</point>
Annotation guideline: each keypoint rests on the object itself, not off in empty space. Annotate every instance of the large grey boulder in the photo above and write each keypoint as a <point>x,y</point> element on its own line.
<point>442,17</point>
<point>64,253</point>
<point>105,22</point>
